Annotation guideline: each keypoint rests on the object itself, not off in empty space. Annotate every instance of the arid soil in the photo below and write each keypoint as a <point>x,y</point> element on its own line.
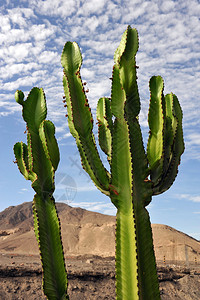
<point>89,278</point>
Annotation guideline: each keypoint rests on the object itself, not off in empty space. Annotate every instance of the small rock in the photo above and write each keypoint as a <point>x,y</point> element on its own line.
<point>89,261</point>
<point>75,288</point>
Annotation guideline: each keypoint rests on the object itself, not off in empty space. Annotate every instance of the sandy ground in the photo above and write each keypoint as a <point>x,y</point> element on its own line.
<point>89,278</point>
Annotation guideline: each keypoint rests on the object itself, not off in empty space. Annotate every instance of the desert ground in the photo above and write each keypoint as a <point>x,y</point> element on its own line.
<point>88,240</point>
<point>88,278</point>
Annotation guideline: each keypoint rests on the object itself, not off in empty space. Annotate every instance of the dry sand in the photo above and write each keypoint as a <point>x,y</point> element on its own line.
<point>89,278</point>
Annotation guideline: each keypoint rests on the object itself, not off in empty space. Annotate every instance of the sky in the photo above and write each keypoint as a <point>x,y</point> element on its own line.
<point>32,36</point>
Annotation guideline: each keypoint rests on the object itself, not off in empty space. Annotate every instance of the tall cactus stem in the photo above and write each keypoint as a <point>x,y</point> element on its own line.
<point>38,161</point>
<point>135,174</point>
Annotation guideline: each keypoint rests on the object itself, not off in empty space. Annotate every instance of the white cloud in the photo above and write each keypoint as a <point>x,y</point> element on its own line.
<point>92,7</point>
<point>105,208</point>
<point>64,136</point>
<point>8,71</point>
<point>92,23</point>
<point>32,39</point>
<point>193,198</point>
<point>167,6</point>
<point>59,8</point>
<point>23,190</point>
<point>113,11</point>
<point>18,52</point>
<point>132,12</point>
<point>98,90</point>
<point>50,57</point>
<point>5,24</point>
<point>27,12</point>
<point>193,139</point>
<point>42,32</point>
<point>87,188</point>
<point>16,17</point>
<point>33,79</point>
<point>87,74</point>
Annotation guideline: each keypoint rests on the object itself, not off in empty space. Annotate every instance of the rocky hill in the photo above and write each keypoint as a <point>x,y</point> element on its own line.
<point>85,232</point>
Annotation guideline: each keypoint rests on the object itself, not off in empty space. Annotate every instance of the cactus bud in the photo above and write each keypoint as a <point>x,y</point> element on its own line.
<point>19,97</point>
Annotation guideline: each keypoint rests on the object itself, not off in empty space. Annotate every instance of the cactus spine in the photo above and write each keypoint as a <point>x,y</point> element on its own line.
<point>135,175</point>
<point>38,161</point>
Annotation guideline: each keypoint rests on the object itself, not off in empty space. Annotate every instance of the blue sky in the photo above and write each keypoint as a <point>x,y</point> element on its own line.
<point>32,36</point>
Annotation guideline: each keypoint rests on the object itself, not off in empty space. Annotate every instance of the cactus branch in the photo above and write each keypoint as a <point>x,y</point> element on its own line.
<point>105,125</point>
<point>155,147</point>
<point>175,142</point>
<point>80,118</point>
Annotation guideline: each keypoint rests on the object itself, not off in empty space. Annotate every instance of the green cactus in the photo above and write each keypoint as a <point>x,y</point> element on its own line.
<point>135,175</point>
<point>38,161</point>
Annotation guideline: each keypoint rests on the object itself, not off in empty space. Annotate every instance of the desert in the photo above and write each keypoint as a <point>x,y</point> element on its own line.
<point>89,247</point>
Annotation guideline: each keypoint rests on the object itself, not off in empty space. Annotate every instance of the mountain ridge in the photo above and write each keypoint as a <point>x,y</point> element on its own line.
<point>86,232</point>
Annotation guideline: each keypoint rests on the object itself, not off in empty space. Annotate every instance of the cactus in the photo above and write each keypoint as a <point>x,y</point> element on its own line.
<point>38,161</point>
<point>135,174</point>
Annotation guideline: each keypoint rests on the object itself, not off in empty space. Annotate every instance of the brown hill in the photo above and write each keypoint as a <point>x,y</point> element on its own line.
<point>85,232</point>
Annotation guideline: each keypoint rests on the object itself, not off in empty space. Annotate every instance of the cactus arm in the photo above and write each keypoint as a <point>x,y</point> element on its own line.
<point>69,109</point>
<point>30,156</point>
<point>128,77</point>
<point>84,161</point>
<point>165,144</point>
<point>174,112</point>
<point>117,94</point>
<point>81,116</point>
<point>170,128</point>
<point>71,61</point>
<point>19,97</point>
<point>47,136</point>
<point>21,155</point>
<point>38,161</point>
<point>156,118</point>
<point>104,117</point>
<point>86,166</point>
<point>120,49</point>
<point>34,112</point>
<point>34,109</point>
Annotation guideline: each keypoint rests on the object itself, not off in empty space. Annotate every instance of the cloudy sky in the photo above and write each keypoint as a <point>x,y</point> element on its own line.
<point>32,36</point>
